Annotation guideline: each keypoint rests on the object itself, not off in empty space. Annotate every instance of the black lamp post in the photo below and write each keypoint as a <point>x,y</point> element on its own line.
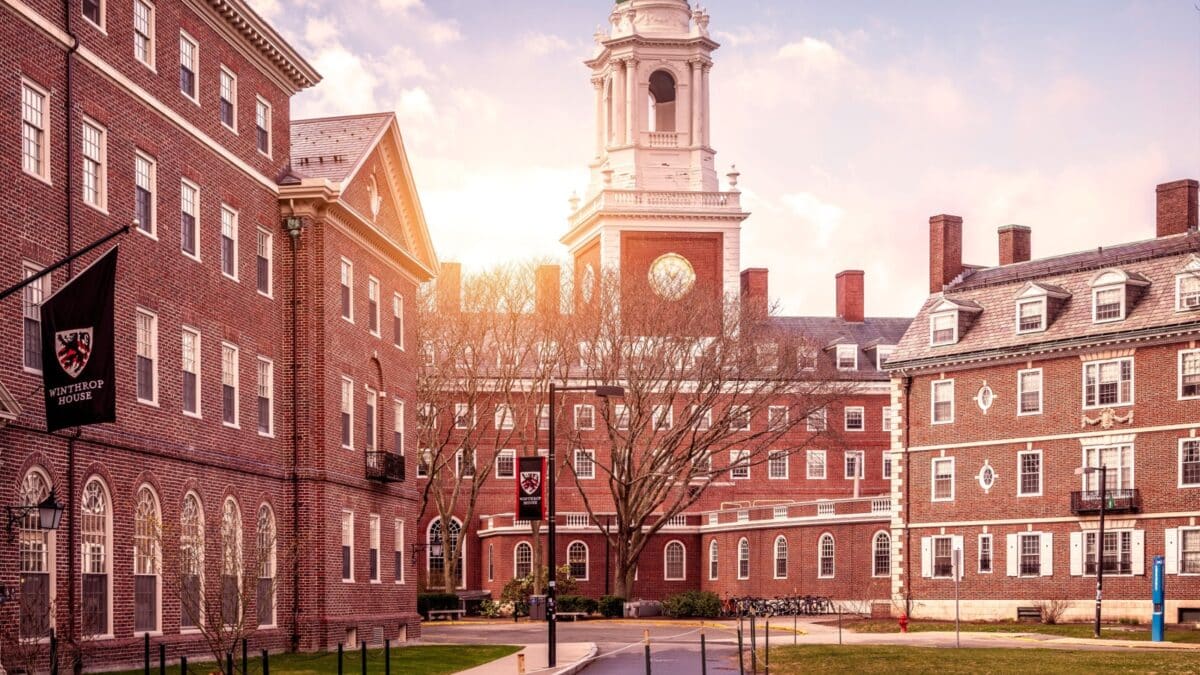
<point>602,391</point>
<point>49,514</point>
<point>1103,471</point>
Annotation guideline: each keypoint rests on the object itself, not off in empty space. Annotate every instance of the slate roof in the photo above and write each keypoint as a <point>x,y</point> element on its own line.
<point>993,333</point>
<point>826,331</point>
<point>331,147</point>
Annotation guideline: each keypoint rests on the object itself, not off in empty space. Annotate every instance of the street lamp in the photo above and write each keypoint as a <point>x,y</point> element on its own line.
<point>1103,471</point>
<point>49,514</point>
<point>603,391</point>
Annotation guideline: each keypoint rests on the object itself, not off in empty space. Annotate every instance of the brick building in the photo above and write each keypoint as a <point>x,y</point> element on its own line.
<point>224,468</point>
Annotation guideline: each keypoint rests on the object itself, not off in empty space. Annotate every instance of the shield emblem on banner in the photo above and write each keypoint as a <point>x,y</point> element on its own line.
<point>531,481</point>
<point>73,347</point>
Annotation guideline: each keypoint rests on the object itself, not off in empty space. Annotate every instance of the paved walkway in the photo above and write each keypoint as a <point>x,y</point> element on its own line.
<point>572,656</point>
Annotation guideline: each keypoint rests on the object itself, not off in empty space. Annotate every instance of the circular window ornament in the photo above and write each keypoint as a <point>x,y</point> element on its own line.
<point>671,276</point>
<point>986,477</point>
<point>588,282</point>
<point>985,398</point>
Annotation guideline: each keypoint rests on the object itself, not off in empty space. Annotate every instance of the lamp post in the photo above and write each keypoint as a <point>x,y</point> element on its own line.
<point>603,391</point>
<point>1103,471</point>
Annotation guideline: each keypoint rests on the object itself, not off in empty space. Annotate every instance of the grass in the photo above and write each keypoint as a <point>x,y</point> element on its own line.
<point>1076,630</point>
<point>860,659</point>
<point>416,660</point>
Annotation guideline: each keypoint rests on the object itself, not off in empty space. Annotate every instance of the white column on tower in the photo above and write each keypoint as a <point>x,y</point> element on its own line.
<point>705,126</point>
<point>618,96</point>
<point>598,85</point>
<point>631,100</point>
<point>697,105</point>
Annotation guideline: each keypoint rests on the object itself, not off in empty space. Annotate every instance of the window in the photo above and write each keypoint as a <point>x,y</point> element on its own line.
<point>1031,315</point>
<point>398,320</point>
<point>398,551</point>
<point>943,479</point>
<point>1108,304</point>
<point>1189,551</point>
<point>428,354</point>
<point>1189,462</point>
<point>228,97</point>
<point>943,557</point>
<point>713,566</point>
<point>143,32</point>
<point>424,463</point>
<point>144,176</point>
<point>347,546</point>
<point>1107,383</point>
<point>943,328</point>
<point>266,397</point>
<point>464,416</point>
<point>191,372</point>
<point>147,560</point>
<point>1119,461</point>
<point>577,560</point>
<point>189,212</point>
<point>1029,392</point>
<point>347,412</point>
<point>522,560</point>
<point>673,561</point>
<point>95,171</point>
<point>1189,374</point>
<point>231,562</point>
<point>264,263</point>
<point>229,239</point>
<point>702,465</point>
<point>265,593</point>
<point>464,464</point>
<point>373,306</point>
<point>506,464</point>
<point>825,560</point>
<point>743,559</point>
<point>855,418</point>
<point>1031,555</point>
<point>777,464</point>
<point>436,563</point>
<point>739,419</point>
<point>806,358</point>
<point>347,290</point>
<point>585,417</point>
<point>985,554</point>
<point>191,563</point>
<point>189,65</point>
<point>37,560</point>
<point>585,463</point>
<point>854,464</point>
<point>817,420</point>
<point>95,515</point>
<point>882,354</point>
<point>890,420</point>
<point>881,558</point>
<point>1187,289</point>
<point>702,419</point>
<point>1029,466</point>
<point>31,311</point>
<point>35,129</point>
<point>398,427</point>
<point>262,126</point>
<point>229,384</point>
<point>661,417</point>
<point>147,357</point>
<point>93,10</point>
<point>847,357</point>
<point>1118,552</point>
<point>887,466</point>
<point>372,420</point>
<point>943,401</point>
<point>815,464</point>
<point>739,464</point>
<point>373,551</point>
<point>781,557</point>
<point>766,356</point>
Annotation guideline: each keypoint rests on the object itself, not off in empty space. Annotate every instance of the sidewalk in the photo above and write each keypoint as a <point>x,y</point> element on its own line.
<point>572,657</point>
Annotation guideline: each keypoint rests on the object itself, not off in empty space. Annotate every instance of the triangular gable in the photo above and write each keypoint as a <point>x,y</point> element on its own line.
<point>10,410</point>
<point>1040,290</point>
<point>949,305</point>
<point>1191,266</point>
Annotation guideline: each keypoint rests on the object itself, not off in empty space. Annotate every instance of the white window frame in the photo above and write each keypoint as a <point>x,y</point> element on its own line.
<point>587,559</point>
<point>399,425</point>
<point>682,562</point>
<point>398,547</point>
<point>739,461</point>
<point>809,456</point>
<point>375,546</point>
<point>1180,306</point>
<point>264,242</point>
<point>773,456</point>
<point>844,350</point>
<point>102,27</point>
<point>775,557</point>
<point>1041,327</point>
<point>373,292</point>
<point>150,35</point>
<point>661,417</point>
<point>1180,551</point>
<point>773,422</point>
<point>587,410</point>
<point>1020,473</point>
<point>371,408</point>
<point>933,389</point>
<point>261,105</point>
<point>506,453</point>
<point>821,556</point>
<point>398,320</point>
<point>1183,442</point>
<point>194,96</point>
<point>152,339</point>
<point>817,420</point>
<point>458,464</point>
<point>860,458</point>
<point>43,128</point>
<point>197,342</point>
<point>233,218</point>
<point>743,547</point>
<point>1097,365</point>
<point>32,309</point>
<point>346,280</point>
<point>152,188</point>
<point>739,414</point>
<point>933,329</point>
<point>703,422</point>
<point>424,462</point>
<point>270,396</point>
<point>1125,451</point>
<point>1119,533</point>
<point>1021,391</point>
<point>714,560</point>
<point>985,536</point>
<point>346,408</point>
<point>503,418</point>
<point>237,388</point>
<point>933,464</point>
<point>577,463</point>
<point>1120,289</point>
<point>882,352</point>
<point>1021,537</point>
<point>194,205</point>
<point>347,542</point>
<point>933,567</point>
<point>101,160</point>
<point>226,72</point>
<point>889,417</point>
<point>886,466</point>
<point>461,413</point>
<point>1183,353</point>
<point>862,412</point>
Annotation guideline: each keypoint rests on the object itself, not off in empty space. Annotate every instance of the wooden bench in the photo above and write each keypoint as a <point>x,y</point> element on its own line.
<point>1029,614</point>
<point>450,614</point>
<point>574,615</point>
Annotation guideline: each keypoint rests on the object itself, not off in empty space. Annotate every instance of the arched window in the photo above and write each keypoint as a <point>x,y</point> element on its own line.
<point>147,560</point>
<point>265,550</point>
<point>825,556</point>
<point>662,101</point>
<point>231,562</point>
<point>674,556</point>
<point>95,520</point>
<point>436,552</point>
<point>37,560</point>
<point>522,560</point>
<point>743,558</point>
<point>712,559</point>
<point>191,562</point>
<point>577,558</point>
<point>781,557</point>
<point>882,555</point>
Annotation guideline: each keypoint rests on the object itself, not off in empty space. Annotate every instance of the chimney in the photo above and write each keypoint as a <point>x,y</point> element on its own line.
<point>449,287</point>
<point>754,292</point>
<point>547,290</point>
<point>850,296</point>
<point>1015,244</point>
<point>945,251</point>
<point>1176,207</point>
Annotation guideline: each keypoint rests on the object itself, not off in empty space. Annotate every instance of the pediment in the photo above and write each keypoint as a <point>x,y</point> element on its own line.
<point>10,410</point>
<point>1191,266</point>
<point>1041,290</point>
<point>952,305</point>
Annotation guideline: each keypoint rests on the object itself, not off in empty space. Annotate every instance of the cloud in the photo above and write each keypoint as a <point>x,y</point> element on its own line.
<point>416,19</point>
<point>541,44</point>
<point>267,9</point>
<point>740,36</point>
<point>811,52</point>
<point>348,86</point>
<point>820,218</point>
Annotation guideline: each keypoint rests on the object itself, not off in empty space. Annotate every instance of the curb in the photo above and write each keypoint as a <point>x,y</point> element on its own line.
<point>581,663</point>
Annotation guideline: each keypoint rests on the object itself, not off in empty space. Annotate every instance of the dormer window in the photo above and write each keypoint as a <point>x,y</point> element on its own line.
<point>943,328</point>
<point>1031,316</point>
<point>1187,287</point>
<point>767,356</point>
<point>1108,304</point>
<point>1114,293</point>
<point>882,354</point>
<point>847,357</point>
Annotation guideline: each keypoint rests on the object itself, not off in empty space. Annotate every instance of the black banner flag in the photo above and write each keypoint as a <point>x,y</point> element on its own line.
<point>78,366</point>
<point>531,488</point>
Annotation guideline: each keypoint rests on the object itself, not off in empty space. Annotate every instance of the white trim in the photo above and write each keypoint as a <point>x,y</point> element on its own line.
<point>979,553</point>
<point>891,552</point>
<point>820,555</point>
<point>1041,473</point>
<point>101,203</point>
<point>1120,288</point>
<point>235,225</point>
<point>153,342</point>
<point>46,176</point>
<point>786,464</point>
<point>151,61</point>
<point>1044,314</point>
<point>270,364</point>
<point>347,517</point>
<point>824,465</point>
<point>265,104</point>
<point>346,406</point>
<point>775,557</point>
<point>862,411</point>
<point>580,407</point>
<point>933,387</point>
<point>152,176</point>
<point>1041,391</point>
<point>346,280</point>
<point>374,292</point>
<point>270,258</point>
<point>933,479</point>
<point>933,317</point>
<point>233,92</point>
<point>507,452</point>
<point>860,457</point>
<point>739,460</point>
<point>742,541</point>
<point>1097,364</point>
<point>195,255</point>
<point>1082,436</point>
<point>1179,463</point>
<point>837,356</point>
<point>375,543</point>
<point>1179,374</point>
<point>591,454</point>
<point>237,385</point>
<point>198,365</point>
<point>682,562</point>
<point>398,314</point>
<point>714,571</point>
<point>587,558</point>
<point>1179,277</point>
<point>194,96</point>
<point>398,547</point>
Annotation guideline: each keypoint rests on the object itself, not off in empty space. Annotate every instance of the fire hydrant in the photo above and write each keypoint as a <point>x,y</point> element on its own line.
<point>903,623</point>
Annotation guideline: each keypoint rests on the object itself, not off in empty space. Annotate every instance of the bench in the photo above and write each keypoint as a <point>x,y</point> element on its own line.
<point>450,614</point>
<point>575,616</point>
<point>1029,614</point>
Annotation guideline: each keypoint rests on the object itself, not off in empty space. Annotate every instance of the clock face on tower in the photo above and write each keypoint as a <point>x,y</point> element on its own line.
<point>671,276</point>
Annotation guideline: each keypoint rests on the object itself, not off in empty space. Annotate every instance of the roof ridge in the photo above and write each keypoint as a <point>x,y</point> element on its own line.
<point>382,113</point>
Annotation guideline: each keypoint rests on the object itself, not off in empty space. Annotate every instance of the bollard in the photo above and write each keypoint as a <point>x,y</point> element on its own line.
<point>162,658</point>
<point>266,666</point>
<point>53,653</point>
<point>646,639</point>
<point>364,657</point>
<point>146,653</point>
<point>794,629</point>
<point>839,625</point>
<point>703,655</point>
<point>521,663</point>
<point>183,665</point>
<point>753,645</point>
<point>767,648</point>
<point>229,663</point>
<point>387,656</point>
<point>340,658</point>
<point>741,652</point>
<point>245,663</point>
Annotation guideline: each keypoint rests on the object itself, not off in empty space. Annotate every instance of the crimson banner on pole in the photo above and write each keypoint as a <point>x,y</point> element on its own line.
<point>531,488</point>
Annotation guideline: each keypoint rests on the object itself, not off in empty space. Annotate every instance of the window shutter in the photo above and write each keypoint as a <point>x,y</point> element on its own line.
<point>1137,551</point>
<point>1076,554</point>
<point>1172,551</point>
<point>1047,554</point>
<point>956,546</point>
<point>926,557</point>
<point>1011,559</point>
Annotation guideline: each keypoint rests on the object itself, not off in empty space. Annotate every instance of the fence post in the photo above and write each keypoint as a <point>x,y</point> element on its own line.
<point>521,663</point>
<point>146,653</point>
<point>364,657</point>
<point>183,664</point>
<point>646,639</point>
<point>839,611</point>
<point>162,658</point>
<point>793,627</point>
<point>741,652</point>
<point>53,652</point>
<point>387,656</point>
<point>229,662</point>
<point>767,648</point>
<point>245,662</point>
<point>339,658</point>
<point>753,644</point>
<point>266,665</point>
<point>703,655</point>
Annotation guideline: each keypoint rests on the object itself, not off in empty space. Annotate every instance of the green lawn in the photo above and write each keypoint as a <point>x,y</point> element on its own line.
<point>417,660</point>
<point>860,659</point>
<point>1079,630</point>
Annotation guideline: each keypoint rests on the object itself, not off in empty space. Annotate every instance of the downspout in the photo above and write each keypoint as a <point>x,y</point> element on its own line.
<point>69,188</point>
<point>293,225</point>
<point>907,500</point>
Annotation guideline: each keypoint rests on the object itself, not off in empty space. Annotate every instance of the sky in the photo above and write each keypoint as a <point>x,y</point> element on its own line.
<point>851,122</point>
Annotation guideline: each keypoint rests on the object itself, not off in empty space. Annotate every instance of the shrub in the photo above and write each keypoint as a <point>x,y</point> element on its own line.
<point>577,603</point>
<point>428,601</point>
<point>518,589</point>
<point>612,606</point>
<point>1052,610</point>
<point>692,604</point>
<point>493,609</point>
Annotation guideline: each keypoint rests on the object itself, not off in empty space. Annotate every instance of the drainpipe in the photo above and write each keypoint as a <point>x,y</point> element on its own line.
<point>69,188</point>
<point>294,225</point>
<point>907,499</point>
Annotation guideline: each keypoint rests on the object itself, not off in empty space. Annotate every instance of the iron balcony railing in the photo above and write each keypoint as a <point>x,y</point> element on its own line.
<point>1127,500</point>
<point>386,467</point>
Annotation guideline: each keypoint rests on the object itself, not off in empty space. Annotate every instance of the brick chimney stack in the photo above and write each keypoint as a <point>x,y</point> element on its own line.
<point>449,287</point>
<point>945,251</point>
<point>850,296</point>
<point>754,292</point>
<point>547,290</point>
<point>1176,207</point>
<point>1015,244</point>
